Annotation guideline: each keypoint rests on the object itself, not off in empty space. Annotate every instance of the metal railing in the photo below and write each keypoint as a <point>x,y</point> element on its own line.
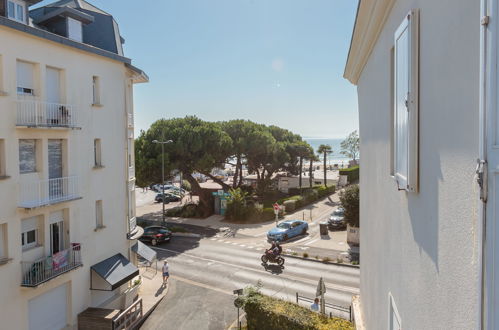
<point>35,113</point>
<point>130,317</point>
<point>130,120</point>
<point>45,192</point>
<point>44,269</point>
<point>339,311</point>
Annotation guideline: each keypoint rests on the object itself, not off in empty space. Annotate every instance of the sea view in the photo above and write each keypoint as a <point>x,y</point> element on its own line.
<point>336,157</point>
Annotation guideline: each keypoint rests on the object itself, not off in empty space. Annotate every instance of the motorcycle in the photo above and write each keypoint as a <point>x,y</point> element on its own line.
<point>270,257</point>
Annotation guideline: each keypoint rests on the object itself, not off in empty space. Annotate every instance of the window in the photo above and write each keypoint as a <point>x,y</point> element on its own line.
<point>97,153</point>
<point>99,221</point>
<point>29,233</point>
<point>3,242</point>
<point>16,10</point>
<point>74,30</point>
<point>3,172</point>
<point>27,156</point>
<point>405,75</point>
<point>25,80</point>
<point>96,90</point>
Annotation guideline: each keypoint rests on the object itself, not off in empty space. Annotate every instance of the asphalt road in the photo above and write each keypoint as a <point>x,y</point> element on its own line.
<point>205,272</point>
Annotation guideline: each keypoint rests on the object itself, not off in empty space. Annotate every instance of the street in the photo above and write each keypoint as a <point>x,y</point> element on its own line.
<point>205,271</point>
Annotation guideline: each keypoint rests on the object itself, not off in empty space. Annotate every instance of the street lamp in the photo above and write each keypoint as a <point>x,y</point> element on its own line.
<point>163,173</point>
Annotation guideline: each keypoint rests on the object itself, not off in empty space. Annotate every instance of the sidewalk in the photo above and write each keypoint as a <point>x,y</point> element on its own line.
<point>152,290</point>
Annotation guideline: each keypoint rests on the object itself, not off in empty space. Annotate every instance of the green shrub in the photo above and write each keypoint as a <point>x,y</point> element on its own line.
<point>267,214</point>
<point>177,229</point>
<point>174,211</point>
<point>349,199</point>
<point>352,173</point>
<point>189,211</point>
<point>305,255</point>
<point>326,259</point>
<point>268,313</point>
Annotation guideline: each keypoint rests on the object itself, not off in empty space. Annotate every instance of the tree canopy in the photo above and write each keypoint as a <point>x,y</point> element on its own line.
<point>349,199</point>
<point>350,146</point>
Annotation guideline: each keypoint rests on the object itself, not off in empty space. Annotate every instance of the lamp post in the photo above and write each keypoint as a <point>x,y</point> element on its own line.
<point>163,173</point>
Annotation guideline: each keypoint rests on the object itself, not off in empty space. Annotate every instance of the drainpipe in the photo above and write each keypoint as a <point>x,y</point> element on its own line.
<point>482,170</point>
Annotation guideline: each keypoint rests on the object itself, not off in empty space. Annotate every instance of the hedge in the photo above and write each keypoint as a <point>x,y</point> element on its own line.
<point>352,173</point>
<point>267,313</point>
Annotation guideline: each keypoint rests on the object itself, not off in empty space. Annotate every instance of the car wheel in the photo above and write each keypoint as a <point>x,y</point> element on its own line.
<point>304,231</point>
<point>285,238</point>
<point>154,242</point>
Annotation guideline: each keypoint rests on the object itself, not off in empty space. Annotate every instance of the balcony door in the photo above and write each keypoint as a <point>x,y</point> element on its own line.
<point>56,232</point>
<point>53,96</point>
<point>56,184</point>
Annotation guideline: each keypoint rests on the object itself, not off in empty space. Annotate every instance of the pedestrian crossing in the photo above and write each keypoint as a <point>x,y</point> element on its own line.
<point>261,245</point>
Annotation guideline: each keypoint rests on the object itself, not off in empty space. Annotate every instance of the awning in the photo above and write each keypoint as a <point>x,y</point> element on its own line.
<point>115,271</point>
<point>144,251</point>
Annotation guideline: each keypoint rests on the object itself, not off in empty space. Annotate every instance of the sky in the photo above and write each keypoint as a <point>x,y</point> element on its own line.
<point>276,62</point>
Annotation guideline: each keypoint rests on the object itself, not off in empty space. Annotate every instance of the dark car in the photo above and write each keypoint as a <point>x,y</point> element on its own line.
<point>156,235</point>
<point>337,220</point>
<point>167,197</point>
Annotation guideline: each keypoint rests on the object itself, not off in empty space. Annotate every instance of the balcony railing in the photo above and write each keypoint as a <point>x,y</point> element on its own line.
<point>130,120</point>
<point>42,270</point>
<point>34,113</point>
<point>46,192</point>
<point>131,172</point>
<point>130,317</point>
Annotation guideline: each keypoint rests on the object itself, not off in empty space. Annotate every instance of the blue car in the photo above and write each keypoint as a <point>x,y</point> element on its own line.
<point>287,229</point>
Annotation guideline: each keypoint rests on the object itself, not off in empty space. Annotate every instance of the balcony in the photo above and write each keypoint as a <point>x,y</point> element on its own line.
<point>44,269</point>
<point>47,192</point>
<point>34,113</point>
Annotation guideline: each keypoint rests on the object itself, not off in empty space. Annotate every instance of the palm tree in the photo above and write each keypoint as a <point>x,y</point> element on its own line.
<point>325,149</point>
<point>312,158</point>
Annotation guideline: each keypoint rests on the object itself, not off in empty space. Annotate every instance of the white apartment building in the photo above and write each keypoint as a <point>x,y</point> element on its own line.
<point>427,80</point>
<point>67,207</point>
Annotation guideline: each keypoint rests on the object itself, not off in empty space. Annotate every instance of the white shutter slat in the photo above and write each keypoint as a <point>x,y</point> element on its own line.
<point>29,224</point>
<point>25,75</point>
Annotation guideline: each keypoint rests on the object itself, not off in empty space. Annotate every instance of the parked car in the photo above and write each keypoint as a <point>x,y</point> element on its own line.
<point>159,188</point>
<point>156,235</point>
<point>287,229</point>
<point>337,219</point>
<point>167,198</point>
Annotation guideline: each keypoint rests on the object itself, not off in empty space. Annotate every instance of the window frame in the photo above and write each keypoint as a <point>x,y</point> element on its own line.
<point>97,153</point>
<point>99,214</point>
<point>19,10</point>
<point>407,179</point>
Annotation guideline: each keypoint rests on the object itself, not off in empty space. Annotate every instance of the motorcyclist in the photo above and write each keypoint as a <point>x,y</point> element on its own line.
<point>275,249</point>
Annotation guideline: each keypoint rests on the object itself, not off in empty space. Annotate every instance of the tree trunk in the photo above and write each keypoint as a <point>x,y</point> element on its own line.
<point>205,198</point>
<point>301,170</point>
<point>240,174</point>
<point>236,174</point>
<point>310,172</point>
<point>325,171</point>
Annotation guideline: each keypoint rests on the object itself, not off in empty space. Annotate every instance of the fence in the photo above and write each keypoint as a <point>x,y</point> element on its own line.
<point>46,268</point>
<point>45,192</point>
<point>130,317</point>
<point>32,113</point>
<point>338,311</point>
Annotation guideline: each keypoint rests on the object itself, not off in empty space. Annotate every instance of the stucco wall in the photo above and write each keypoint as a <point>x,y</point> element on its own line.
<point>109,183</point>
<point>423,247</point>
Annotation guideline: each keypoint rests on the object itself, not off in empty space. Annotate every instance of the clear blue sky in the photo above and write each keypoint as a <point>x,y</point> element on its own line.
<point>271,61</point>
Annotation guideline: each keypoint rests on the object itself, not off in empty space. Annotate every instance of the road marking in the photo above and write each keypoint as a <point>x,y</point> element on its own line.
<point>227,242</point>
<point>302,239</point>
<point>313,241</point>
<point>242,245</point>
<point>234,243</point>
<point>202,285</point>
<point>213,239</point>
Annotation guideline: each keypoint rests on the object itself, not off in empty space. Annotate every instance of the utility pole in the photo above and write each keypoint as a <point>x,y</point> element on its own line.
<point>163,174</point>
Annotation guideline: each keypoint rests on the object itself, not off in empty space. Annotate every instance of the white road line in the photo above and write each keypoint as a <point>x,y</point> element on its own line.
<point>227,242</point>
<point>312,241</point>
<point>338,287</point>
<point>242,245</point>
<point>213,239</point>
<point>302,239</point>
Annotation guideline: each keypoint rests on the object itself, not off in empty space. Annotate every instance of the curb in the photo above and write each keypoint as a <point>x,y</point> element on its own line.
<point>320,261</point>
<point>186,235</point>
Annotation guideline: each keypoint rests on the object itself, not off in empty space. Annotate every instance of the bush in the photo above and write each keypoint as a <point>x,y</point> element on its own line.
<point>266,313</point>
<point>349,199</point>
<point>305,255</point>
<point>174,212</point>
<point>267,214</point>
<point>324,191</point>
<point>186,185</point>
<point>352,173</point>
<point>176,229</point>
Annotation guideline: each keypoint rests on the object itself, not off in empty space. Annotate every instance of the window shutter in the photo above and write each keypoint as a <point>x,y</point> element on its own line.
<point>74,30</point>
<point>406,116</point>
<point>25,75</point>
<point>29,224</point>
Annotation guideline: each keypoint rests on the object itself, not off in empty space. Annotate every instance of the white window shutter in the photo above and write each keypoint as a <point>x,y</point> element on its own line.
<point>406,116</point>
<point>29,224</point>
<point>75,31</point>
<point>25,75</point>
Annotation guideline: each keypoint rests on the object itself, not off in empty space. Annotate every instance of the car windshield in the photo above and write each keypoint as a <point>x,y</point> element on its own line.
<point>338,212</point>
<point>283,225</point>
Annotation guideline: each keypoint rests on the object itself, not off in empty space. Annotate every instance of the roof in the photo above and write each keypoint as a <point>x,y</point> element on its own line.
<point>144,251</point>
<point>116,270</point>
<point>370,19</point>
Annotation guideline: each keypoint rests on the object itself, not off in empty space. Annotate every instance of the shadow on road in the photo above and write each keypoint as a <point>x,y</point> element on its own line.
<point>273,269</point>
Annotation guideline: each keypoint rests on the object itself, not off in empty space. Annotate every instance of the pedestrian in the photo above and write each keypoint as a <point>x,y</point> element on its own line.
<point>315,305</point>
<point>166,272</point>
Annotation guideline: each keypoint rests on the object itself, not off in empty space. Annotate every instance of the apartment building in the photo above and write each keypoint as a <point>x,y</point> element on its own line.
<point>67,205</point>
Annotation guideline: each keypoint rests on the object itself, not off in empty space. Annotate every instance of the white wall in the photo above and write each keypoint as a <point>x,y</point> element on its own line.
<point>423,247</point>
<point>109,183</point>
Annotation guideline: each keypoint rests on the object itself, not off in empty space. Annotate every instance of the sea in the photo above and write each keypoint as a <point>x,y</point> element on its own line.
<point>336,157</point>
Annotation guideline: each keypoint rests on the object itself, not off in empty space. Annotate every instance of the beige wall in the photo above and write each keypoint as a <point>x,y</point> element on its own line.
<point>422,248</point>
<point>109,183</point>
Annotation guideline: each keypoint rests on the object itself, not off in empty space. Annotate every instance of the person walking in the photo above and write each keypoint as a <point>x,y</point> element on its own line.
<point>166,272</point>
<point>315,305</point>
